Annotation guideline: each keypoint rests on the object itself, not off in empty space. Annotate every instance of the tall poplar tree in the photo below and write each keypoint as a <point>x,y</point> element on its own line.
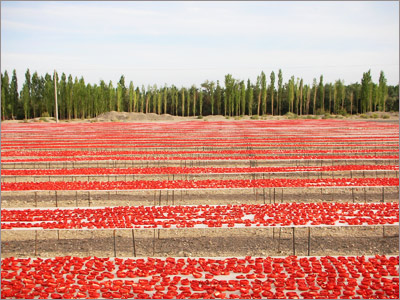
<point>280,81</point>
<point>272,89</point>
<point>383,91</point>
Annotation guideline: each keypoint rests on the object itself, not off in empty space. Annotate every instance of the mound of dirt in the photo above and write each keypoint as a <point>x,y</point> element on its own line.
<point>114,116</point>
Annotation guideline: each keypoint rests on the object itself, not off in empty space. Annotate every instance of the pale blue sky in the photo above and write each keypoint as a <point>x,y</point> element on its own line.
<point>185,43</point>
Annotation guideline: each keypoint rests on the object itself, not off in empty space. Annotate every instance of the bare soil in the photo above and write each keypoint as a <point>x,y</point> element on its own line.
<point>114,116</point>
<point>369,240</point>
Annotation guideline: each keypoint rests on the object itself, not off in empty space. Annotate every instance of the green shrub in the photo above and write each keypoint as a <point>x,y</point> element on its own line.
<point>363,116</point>
<point>385,116</point>
<point>342,112</point>
<point>44,119</point>
<point>374,116</point>
<point>326,116</point>
<point>290,115</point>
<point>254,117</point>
<point>200,117</point>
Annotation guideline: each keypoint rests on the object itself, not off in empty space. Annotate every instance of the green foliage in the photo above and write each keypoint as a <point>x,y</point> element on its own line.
<point>45,115</point>
<point>363,116</point>
<point>385,116</point>
<point>254,117</point>
<point>342,112</point>
<point>374,116</point>
<point>200,117</point>
<point>326,116</point>
<point>77,99</point>
<point>291,115</point>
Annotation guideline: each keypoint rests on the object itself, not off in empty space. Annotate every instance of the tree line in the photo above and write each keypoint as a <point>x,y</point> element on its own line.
<point>233,97</point>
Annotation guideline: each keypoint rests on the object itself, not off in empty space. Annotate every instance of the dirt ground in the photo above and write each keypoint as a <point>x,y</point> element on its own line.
<point>114,116</point>
<point>200,242</point>
<point>369,240</point>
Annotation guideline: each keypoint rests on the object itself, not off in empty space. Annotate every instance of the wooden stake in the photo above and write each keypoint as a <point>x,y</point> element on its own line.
<point>309,241</point>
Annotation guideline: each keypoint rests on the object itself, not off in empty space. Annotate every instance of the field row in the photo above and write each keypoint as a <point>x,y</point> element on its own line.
<point>196,184</point>
<point>201,216</point>
<point>328,277</point>
<point>192,170</point>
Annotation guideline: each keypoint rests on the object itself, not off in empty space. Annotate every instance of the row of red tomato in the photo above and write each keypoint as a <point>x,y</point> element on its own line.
<point>193,170</point>
<point>169,152</point>
<point>218,278</point>
<point>196,184</point>
<point>200,158</point>
<point>126,144</point>
<point>285,214</point>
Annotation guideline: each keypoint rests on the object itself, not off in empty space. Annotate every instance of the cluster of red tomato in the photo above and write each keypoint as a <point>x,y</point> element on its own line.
<point>192,170</point>
<point>283,214</point>
<point>169,152</point>
<point>162,158</point>
<point>190,278</point>
<point>195,184</point>
<point>159,144</point>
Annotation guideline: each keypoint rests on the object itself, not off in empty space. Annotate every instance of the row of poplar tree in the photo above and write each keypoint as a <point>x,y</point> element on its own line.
<point>77,99</point>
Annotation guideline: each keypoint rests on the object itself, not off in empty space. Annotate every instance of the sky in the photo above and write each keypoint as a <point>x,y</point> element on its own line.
<point>186,43</point>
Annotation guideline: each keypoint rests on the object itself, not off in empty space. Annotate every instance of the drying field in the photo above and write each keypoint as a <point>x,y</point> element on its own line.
<point>193,209</point>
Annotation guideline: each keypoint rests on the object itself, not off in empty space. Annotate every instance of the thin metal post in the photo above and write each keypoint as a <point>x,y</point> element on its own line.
<point>294,243</point>
<point>274,195</point>
<point>35,242</point>
<point>264,196</point>
<point>154,238</point>
<point>133,243</point>
<point>365,195</point>
<point>279,239</point>
<point>115,249</point>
